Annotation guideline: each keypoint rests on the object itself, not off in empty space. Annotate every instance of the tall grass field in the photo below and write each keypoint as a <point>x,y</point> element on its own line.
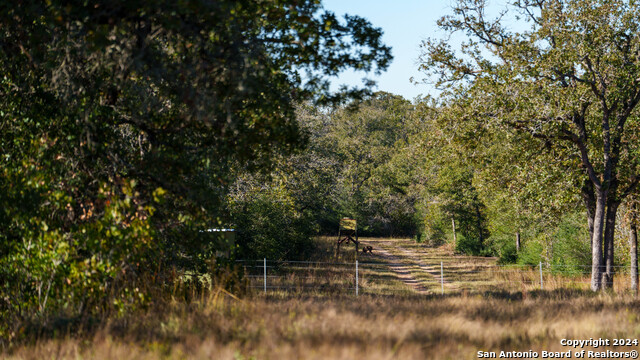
<point>403,310</point>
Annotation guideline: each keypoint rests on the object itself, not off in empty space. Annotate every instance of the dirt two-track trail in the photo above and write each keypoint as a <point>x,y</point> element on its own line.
<point>419,266</point>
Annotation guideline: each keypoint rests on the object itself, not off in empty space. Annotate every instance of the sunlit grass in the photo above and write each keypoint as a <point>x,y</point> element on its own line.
<point>283,326</point>
<point>310,311</point>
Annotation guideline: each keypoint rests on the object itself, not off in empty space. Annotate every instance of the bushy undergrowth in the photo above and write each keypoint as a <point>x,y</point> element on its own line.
<point>270,225</point>
<point>96,268</point>
<point>566,247</point>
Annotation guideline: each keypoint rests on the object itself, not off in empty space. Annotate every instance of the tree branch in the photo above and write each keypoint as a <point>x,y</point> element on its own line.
<point>635,180</point>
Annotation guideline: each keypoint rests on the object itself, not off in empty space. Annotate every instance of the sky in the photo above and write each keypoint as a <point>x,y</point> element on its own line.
<point>406,23</point>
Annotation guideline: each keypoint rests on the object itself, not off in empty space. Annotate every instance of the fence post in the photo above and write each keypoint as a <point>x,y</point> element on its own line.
<point>442,277</point>
<point>356,277</point>
<point>541,281</point>
<point>265,275</point>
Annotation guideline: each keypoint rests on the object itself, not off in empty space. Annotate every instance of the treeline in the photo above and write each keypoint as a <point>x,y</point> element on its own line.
<point>411,169</point>
<point>353,166</point>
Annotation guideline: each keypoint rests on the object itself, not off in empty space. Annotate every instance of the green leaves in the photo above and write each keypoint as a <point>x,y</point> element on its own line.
<point>121,122</point>
<point>370,139</point>
<point>564,94</point>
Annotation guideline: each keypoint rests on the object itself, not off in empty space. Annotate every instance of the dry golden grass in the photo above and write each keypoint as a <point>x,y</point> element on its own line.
<point>485,308</point>
<point>375,327</point>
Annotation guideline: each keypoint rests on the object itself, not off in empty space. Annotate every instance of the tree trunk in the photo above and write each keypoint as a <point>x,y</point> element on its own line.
<point>633,244</point>
<point>590,204</point>
<point>453,225</point>
<point>609,231</point>
<point>518,241</point>
<point>479,224</point>
<point>596,241</point>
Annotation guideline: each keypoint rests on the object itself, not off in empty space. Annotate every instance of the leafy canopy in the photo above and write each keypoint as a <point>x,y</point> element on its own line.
<point>121,122</point>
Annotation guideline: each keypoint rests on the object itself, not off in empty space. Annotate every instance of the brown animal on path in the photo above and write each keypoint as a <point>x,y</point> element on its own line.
<point>366,249</point>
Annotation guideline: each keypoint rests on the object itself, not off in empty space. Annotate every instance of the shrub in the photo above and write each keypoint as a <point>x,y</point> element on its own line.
<point>90,269</point>
<point>431,229</point>
<point>268,224</point>
<point>469,245</point>
<point>571,246</point>
<point>531,253</point>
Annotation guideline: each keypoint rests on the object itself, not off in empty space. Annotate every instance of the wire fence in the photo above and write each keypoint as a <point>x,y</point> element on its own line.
<point>432,277</point>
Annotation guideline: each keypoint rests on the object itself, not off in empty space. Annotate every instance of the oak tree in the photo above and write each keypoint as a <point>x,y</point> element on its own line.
<point>568,73</point>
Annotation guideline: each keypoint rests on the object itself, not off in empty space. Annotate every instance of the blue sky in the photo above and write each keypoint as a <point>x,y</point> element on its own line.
<point>405,24</point>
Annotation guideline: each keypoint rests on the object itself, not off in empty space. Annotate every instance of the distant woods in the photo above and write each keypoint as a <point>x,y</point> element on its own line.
<point>409,169</point>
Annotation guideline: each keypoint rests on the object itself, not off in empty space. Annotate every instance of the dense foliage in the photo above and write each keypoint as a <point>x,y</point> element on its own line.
<point>568,82</point>
<point>122,122</point>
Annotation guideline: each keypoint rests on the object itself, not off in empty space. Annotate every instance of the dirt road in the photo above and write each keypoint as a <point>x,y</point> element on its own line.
<point>419,266</point>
